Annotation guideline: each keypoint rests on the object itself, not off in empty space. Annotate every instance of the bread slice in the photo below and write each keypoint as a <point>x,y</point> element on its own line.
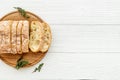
<point>19,37</point>
<point>36,34</point>
<point>25,37</point>
<point>13,37</point>
<point>40,37</point>
<point>46,37</point>
<point>6,37</point>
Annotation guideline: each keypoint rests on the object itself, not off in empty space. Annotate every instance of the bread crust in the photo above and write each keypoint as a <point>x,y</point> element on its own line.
<point>19,37</point>
<point>13,37</point>
<point>25,37</point>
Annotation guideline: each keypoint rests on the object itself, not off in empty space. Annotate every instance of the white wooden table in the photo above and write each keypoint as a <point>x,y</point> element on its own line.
<point>86,39</point>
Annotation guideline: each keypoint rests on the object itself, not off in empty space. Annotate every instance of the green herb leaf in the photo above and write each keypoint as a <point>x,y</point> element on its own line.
<point>21,63</point>
<point>38,68</point>
<point>35,69</point>
<point>22,12</point>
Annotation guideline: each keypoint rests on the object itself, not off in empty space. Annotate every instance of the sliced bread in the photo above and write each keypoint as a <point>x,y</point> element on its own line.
<point>40,36</point>
<point>36,34</point>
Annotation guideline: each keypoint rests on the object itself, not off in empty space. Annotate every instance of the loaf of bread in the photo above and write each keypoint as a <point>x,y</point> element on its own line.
<point>17,37</point>
<point>14,37</point>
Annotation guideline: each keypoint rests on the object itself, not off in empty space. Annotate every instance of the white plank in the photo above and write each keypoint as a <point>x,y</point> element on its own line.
<point>69,11</point>
<point>85,38</point>
<point>69,66</point>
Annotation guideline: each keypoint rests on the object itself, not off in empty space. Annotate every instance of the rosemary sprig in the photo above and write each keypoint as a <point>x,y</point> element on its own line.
<point>38,68</point>
<point>21,63</point>
<point>22,12</point>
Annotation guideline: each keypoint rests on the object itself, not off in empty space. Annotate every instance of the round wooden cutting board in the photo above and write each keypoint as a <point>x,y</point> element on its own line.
<point>31,57</point>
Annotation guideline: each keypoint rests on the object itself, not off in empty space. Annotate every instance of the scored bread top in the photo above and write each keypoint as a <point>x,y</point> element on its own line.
<point>5,36</point>
<point>13,37</point>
